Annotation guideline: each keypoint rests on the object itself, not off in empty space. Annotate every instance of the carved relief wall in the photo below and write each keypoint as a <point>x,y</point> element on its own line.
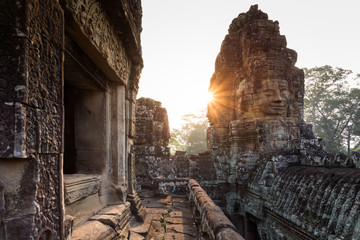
<point>101,65</point>
<point>31,118</point>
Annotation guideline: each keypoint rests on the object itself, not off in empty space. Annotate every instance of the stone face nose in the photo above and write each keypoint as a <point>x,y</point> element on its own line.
<point>277,97</point>
<point>277,101</point>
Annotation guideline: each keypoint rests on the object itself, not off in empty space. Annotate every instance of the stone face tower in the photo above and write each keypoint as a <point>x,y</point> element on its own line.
<point>279,184</point>
<point>258,94</point>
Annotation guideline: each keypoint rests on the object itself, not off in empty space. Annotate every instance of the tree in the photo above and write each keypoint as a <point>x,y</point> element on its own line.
<point>192,135</point>
<point>332,107</point>
<point>176,143</point>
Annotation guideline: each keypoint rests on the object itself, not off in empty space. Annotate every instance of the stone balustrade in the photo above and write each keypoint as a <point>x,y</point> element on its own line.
<point>211,220</point>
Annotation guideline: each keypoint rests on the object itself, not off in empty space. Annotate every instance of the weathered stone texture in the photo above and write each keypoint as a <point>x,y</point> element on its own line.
<point>100,34</point>
<point>2,210</point>
<point>94,230</point>
<point>152,124</point>
<point>254,85</point>
<point>79,186</point>
<point>209,218</point>
<point>323,201</point>
<point>280,184</point>
<point>32,85</point>
<point>31,69</point>
<point>98,26</point>
<point>154,162</point>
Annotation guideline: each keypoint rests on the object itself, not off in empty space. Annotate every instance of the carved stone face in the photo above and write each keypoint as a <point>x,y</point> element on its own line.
<point>272,99</point>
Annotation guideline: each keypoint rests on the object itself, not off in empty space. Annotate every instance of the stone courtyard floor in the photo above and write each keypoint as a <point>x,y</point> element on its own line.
<point>168,217</point>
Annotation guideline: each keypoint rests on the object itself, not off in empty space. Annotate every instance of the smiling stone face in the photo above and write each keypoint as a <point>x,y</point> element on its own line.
<point>258,104</point>
<point>272,99</point>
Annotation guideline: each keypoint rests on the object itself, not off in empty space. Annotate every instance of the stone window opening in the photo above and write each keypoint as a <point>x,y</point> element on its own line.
<point>84,123</point>
<point>84,110</point>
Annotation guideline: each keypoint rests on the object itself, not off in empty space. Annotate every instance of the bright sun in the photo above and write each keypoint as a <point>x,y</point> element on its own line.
<point>209,97</point>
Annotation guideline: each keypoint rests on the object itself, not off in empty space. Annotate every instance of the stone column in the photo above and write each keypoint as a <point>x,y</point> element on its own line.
<point>2,210</point>
<point>31,118</point>
<point>118,139</point>
<point>136,207</point>
<point>131,135</point>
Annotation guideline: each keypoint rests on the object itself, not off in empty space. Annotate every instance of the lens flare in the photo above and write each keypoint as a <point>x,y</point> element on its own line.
<point>209,97</point>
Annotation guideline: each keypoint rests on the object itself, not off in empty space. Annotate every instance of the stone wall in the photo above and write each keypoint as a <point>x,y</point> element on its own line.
<point>152,124</point>
<point>31,118</point>
<point>153,158</point>
<point>69,73</point>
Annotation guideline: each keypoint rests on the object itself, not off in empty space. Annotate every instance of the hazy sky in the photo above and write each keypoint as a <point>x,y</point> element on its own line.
<point>181,39</point>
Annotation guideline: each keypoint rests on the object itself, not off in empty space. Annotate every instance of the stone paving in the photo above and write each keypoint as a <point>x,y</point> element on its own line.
<point>168,217</point>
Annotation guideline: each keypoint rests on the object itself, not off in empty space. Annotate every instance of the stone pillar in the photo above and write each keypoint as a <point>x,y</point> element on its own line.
<point>136,207</point>
<point>2,210</point>
<point>118,140</point>
<point>131,135</point>
<point>31,118</point>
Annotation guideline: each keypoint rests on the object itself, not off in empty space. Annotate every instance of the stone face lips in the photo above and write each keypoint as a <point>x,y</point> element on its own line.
<point>255,80</point>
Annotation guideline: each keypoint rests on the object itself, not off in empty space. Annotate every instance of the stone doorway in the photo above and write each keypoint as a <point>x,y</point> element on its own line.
<point>85,113</point>
<point>85,139</point>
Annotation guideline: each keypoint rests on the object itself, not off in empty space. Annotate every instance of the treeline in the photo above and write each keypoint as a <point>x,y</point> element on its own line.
<point>191,137</point>
<point>332,106</point>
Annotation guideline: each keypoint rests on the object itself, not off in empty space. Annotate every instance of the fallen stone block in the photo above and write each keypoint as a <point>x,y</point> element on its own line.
<point>94,230</point>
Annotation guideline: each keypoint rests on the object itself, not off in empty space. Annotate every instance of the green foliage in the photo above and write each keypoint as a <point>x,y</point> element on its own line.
<point>176,143</point>
<point>332,107</point>
<point>192,136</point>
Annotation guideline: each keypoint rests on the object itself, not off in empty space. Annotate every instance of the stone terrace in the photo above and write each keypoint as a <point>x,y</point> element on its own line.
<point>181,209</point>
<point>167,217</point>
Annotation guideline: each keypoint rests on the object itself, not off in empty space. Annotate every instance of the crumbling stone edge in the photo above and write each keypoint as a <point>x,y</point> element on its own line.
<point>210,219</point>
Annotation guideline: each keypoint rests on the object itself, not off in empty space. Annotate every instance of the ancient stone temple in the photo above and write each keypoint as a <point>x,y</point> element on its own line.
<point>69,73</point>
<point>152,154</point>
<point>282,182</point>
<point>166,183</point>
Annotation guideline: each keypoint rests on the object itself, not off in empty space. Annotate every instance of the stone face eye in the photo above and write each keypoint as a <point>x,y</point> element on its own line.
<point>285,93</point>
<point>269,93</point>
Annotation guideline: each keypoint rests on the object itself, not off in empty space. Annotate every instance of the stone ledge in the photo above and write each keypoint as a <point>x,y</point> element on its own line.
<point>213,221</point>
<point>79,186</point>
